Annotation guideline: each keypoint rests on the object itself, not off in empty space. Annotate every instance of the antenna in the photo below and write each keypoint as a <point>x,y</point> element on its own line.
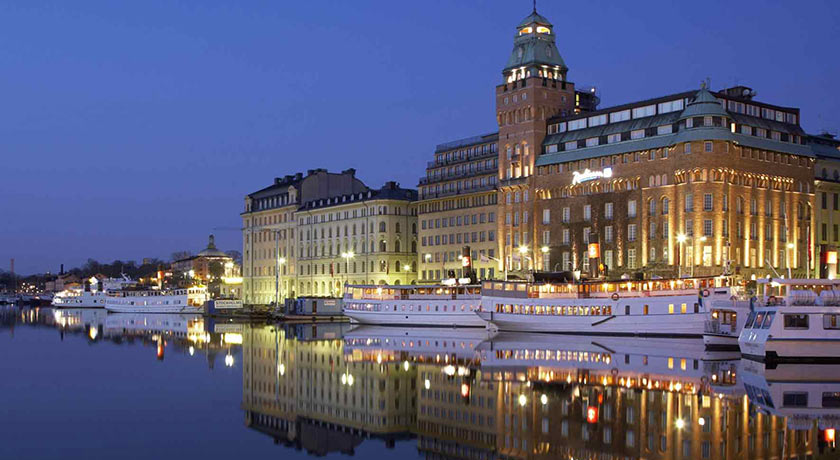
<point>535,6</point>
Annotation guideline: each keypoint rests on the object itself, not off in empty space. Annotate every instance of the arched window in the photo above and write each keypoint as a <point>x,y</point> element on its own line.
<point>650,181</point>
<point>397,227</point>
<point>383,246</point>
<point>652,207</point>
<point>414,246</point>
<point>397,266</point>
<point>383,266</point>
<point>414,227</point>
<point>397,246</point>
<point>665,204</point>
<point>382,227</point>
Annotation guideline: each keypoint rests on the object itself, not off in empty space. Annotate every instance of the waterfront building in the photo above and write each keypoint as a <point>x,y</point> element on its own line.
<point>696,182</point>
<point>827,210</point>
<point>309,235</point>
<point>699,182</point>
<point>209,263</point>
<point>457,208</point>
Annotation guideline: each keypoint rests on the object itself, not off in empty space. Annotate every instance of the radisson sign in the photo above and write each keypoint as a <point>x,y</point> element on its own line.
<point>587,175</point>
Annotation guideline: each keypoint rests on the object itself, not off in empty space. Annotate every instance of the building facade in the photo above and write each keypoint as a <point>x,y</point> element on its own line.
<point>696,183</point>
<point>309,235</point>
<point>827,186</point>
<point>690,184</point>
<point>457,208</point>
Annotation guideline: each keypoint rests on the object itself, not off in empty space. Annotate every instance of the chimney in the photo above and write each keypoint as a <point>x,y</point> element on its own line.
<point>61,272</point>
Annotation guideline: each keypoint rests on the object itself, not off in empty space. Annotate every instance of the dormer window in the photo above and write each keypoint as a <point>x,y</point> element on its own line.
<point>526,30</point>
<point>543,30</point>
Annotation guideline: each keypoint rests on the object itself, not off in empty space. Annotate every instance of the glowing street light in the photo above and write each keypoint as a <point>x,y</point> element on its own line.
<point>523,400</point>
<point>544,249</point>
<point>679,423</point>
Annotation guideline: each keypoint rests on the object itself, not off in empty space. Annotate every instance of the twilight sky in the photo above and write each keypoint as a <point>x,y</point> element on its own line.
<point>133,129</point>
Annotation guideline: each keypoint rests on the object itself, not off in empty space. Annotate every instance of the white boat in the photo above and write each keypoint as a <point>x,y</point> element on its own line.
<point>417,305</point>
<point>666,308</point>
<point>794,320</point>
<point>726,319</point>
<point>181,300</point>
<point>92,295</point>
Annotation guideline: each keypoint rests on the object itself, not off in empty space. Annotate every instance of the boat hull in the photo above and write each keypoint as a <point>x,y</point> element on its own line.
<point>675,325</point>
<point>154,309</point>
<point>450,319</point>
<point>714,341</point>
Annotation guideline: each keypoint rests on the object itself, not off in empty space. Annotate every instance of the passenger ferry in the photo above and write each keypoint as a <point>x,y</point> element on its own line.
<point>418,305</point>
<point>667,308</point>
<point>794,319</point>
<point>180,300</point>
<point>92,295</point>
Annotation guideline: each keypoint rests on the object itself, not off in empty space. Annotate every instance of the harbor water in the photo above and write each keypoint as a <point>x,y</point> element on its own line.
<point>82,384</point>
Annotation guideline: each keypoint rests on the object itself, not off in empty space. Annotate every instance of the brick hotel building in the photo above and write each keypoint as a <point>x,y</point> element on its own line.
<point>694,183</point>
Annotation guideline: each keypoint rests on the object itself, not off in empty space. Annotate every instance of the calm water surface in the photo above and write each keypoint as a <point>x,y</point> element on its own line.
<point>80,384</point>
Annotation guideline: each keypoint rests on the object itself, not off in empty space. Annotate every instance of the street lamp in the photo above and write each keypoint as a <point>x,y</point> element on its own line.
<point>347,256</point>
<point>790,247</point>
<point>680,239</point>
<point>278,262</point>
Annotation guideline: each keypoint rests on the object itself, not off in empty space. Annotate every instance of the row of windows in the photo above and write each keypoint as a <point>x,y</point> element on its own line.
<point>457,221</point>
<point>457,238</point>
<point>464,154</point>
<point>453,256</point>
<point>432,191</point>
<point>618,116</point>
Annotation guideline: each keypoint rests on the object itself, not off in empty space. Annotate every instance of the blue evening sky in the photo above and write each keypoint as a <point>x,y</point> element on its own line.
<point>132,129</point>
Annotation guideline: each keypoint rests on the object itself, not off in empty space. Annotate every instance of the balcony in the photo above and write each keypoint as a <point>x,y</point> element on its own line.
<point>468,158</point>
<point>513,181</point>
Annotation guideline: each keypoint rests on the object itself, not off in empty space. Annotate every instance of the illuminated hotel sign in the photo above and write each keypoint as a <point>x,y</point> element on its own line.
<point>587,175</point>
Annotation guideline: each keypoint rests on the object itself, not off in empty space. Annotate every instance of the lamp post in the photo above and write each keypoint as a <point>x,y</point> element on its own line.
<point>790,247</point>
<point>346,256</point>
<point>680,239</point>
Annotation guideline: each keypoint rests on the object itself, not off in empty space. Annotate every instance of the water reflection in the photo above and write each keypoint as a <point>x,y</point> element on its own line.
<point>463,394</point>
<point>453,393</point>
<point>178,333</point>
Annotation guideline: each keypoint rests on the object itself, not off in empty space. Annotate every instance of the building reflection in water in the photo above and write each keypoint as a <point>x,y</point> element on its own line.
<point>462,394</point>
<point>188,334</point>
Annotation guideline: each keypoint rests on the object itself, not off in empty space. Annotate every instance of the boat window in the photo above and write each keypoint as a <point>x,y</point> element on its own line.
<point>768,320</point>
<point>646,309</point>
<point>750,320</point>
<point>627,309</point>
<point>796,321</point>
<point>831,399</point>
<point>758,319</point>
<point>831,321</point>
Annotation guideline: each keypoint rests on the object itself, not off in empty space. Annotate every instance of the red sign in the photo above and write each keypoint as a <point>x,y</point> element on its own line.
<point>592,414</point>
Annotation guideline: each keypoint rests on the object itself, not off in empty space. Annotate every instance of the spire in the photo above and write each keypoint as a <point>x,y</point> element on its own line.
<point>535,6</point>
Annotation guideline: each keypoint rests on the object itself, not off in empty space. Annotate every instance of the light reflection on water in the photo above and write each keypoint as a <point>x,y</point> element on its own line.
<point>461,393</point>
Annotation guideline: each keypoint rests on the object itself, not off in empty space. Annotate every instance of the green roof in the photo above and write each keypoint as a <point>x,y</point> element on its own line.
<point>704,104</point>
<point>534,18</point>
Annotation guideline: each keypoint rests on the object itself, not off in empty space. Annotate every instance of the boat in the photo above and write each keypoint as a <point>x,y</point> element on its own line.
<point>417,305</point>
<point>657,308</point>
<point>726,319</point>
<point>794,320</point>
<point>92,294</point>
<point>153,300</point>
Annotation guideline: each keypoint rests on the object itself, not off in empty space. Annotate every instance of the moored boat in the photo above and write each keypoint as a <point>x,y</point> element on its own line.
<point>149,300</point>
<point>794,320</point>
<point>417,305</point>
<point>91,295</point>
<point>665,308</point>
